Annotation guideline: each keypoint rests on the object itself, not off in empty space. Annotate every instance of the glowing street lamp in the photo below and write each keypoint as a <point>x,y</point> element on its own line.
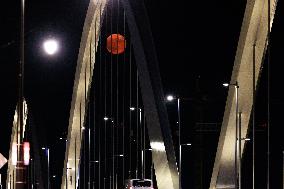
<point>50,46</point>
<point>180,146</point>
<point>132,108</point>
<point>106,118</point>
<point>170,98</point>
<point>46,149</point>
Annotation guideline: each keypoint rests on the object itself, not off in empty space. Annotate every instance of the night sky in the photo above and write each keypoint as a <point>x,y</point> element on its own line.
<point>195,42</point>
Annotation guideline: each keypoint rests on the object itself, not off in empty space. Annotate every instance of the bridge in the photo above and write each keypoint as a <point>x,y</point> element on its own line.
<point>120,124</point>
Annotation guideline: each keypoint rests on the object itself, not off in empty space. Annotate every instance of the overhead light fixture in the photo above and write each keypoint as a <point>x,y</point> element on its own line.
<point>170,98</point>
<point>132,108</point>
<point>106,118</point>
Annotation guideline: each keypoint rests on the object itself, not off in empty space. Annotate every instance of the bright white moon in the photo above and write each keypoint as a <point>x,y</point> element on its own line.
<point>50,46</point>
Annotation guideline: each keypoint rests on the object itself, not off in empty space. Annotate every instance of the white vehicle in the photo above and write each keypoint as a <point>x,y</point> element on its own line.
<point>139,184</point>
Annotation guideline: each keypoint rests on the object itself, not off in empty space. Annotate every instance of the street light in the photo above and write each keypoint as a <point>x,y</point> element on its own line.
<point>237,129</point>
<point>94,162</point>
<point>66,180</point>
<point>180,146</point>
<point>170,98</point>
<point>114,177</point>
<point>47,154</point>
<point>139,116</point>
<point>132,108</point>
<point>106,118</point>
<point>144,161</point>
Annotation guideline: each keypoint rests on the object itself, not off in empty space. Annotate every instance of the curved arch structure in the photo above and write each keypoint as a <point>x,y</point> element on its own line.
<point>254,32</point>
<point>151,89</point>
<point>83,75</point>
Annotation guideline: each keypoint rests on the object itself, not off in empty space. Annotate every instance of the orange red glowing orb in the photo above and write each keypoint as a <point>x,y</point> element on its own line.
<point>116,44</point>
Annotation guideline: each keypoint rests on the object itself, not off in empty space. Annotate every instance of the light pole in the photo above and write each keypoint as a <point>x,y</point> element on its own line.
<point>170,98</point>
<point>236,85</point>
<point>144,162</point>
<point>66,177</point>
<point>180,146</point>
<point>115,175</point>
<point>94,162</point>
<point>112,159</point>
<point>240,151</point>
<point>139,125</point>
<point>47,154</point>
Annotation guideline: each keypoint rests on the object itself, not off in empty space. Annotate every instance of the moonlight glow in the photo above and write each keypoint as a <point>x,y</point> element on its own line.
<point>50,46</point>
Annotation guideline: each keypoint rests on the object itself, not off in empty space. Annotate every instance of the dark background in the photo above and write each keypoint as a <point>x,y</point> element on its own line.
<point>196,44</point>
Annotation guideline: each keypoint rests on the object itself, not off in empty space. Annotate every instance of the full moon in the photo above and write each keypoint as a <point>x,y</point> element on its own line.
<point>50,46</point>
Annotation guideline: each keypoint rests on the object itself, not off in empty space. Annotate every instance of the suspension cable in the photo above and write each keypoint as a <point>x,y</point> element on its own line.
<point>253,120</point>
<point>123,106</point>
<point>111,94</point>
<point>100,96</point>
<point>105,107</point>
<point>89,111</point>
<point>84,132</point>
<point>268,98</point>
<point>144,141</point>
<point>130,105</point>
<point>137,124</point>
<point>75,162</point>
<point>94,118</point>
<point>117,91</point>
<point>80,141</point>
<point>21,73</point>
<point>141,143</point>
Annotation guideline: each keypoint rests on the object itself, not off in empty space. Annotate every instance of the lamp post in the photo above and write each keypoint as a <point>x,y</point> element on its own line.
<point>115,183</point>
<point>236,132</point>
<point>47,154</point>
<point>180,146</point>
<point>144,162</point>
<point>66,177</point>
<point>240,150</point>
<point>170,98</point>
<point>94,162</point>
<point>138,123</point>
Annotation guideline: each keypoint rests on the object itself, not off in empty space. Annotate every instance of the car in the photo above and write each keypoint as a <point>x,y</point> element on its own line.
<point>139,184</point>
